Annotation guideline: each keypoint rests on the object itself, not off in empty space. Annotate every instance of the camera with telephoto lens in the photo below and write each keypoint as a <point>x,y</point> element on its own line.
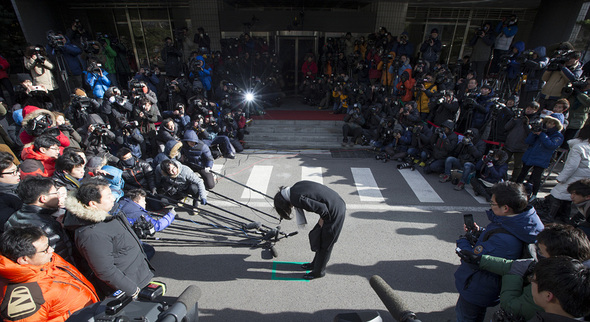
<point>40,58</point>
<point>143,228</point>
<point>94,67</point>
<point>518,112</point>
<point>80,102</point>
<point>537,126</point>
<point>56,41</point>
<point>130,125</point>
<point>100,129</point>
<point>560,58</point>
<point>574,87</point>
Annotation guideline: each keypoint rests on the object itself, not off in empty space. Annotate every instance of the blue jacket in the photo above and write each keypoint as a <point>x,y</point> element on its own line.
<point>133,212</point>
<point>481,287</point>
<point>205,74</point>
<point>541,147</point>
<point>117,183</point>
<point>98,84</point>
<point>481,110</point>
<point>71,54</point>
<point>494,173</point>
<point>513,70</point>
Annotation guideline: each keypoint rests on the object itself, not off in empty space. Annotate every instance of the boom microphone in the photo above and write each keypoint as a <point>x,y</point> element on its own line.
<point>252,225</point>
<point>392,302</point>
<point>186,301</point>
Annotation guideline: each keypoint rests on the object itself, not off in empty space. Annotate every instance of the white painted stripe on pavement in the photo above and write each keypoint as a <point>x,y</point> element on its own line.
<point>217,167</point>
<point>469,189</point>
<point>420,186</point>
<point>366,185</point>
<point>258,180</point>
<point>367,207</point>
<point>312,174</point>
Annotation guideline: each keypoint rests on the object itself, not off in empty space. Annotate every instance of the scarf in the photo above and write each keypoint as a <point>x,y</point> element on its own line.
<point>299,214</point>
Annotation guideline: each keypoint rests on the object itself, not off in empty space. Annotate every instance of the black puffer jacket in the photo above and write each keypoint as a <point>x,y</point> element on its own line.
<point>9,203</point>
<point>140,175</point>
<point>42,218</point>
<point>110,247</point>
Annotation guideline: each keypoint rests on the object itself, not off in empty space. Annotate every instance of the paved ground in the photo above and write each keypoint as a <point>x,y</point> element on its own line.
<point>407,242</point>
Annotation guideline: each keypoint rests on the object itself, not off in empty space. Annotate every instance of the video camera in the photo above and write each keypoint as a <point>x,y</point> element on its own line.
<point>40,58</point>
<point>560,58</point>
<point>574,87</point>
<point>80,102</point>
<point>95,67</point>
<point>56,41</point>
<point>122,307</point>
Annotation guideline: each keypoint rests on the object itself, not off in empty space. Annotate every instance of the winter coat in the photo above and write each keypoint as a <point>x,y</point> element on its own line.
<point>480,111</point>
<point>424,99</point>
<point>42,218</point>
<point>41,73</point>
<point>550,317</point>
<point>109,246</point>
<point>140,175</point>
<point>408,86</point>
<point>536,68</point>
<point>4,66</point>
<point>52,291</point>
<point>505,36</point>
<point>200,154</point>
<point>182,181</point>
<point>31,112</point>
<point>9,202</point>
<point>443,147</point>
<point>470,152</point>
<point>514,298</point>
<point>71,54</point>
<point>482,47</point>
<point>173,59</point>
<point>36,163</point>
<point>541,147</point>
<point>63,179</point>
<point>131,139</point>
<point>577,166</point>
<point>445,111</point>
<point>481,287</point>
<point>514,65</point>
<point>493,174</point>
<point>133,212</point>
<point>431,53</point>
<point>579,110</point>
<point>517,131</point>
<point>98,84</point>
<point>556,80</point>
<point>311,67</point>
<point>205,74</point>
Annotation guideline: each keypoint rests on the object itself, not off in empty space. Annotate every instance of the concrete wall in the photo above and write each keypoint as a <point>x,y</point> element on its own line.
<point>36,17</point>
<point>554,22</point>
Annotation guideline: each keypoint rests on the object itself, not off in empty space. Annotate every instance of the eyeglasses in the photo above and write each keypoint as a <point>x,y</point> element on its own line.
<point>15,173</point>
<point>46,250</point>
<point>54,148</point>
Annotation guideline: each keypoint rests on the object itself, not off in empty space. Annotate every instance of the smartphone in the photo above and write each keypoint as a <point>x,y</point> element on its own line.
<point>109,176</point>
<point>468,220</point>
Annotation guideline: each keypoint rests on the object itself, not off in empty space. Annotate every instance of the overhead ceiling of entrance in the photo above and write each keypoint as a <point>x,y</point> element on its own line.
<point>358,4</point>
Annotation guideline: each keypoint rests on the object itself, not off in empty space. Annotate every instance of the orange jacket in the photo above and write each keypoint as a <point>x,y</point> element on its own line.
<point>36,163</point>
<point>51,292</point>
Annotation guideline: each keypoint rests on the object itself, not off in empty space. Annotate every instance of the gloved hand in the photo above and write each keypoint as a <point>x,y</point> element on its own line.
<point>519,266</point>
<point>468,256</point>
<point>203,201</point>
<point>207,169</point>
<point>154,191</point>
<point>173,212</point>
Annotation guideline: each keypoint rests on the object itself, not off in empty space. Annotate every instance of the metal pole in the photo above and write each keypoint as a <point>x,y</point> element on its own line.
<point>132,36</point>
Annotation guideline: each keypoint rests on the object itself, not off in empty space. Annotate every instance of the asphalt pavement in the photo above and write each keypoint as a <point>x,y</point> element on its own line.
<point>400,225</point>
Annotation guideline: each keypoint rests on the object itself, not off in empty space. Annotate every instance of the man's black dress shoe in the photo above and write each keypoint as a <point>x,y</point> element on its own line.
<point>311,276</point>
<point>307,266</point>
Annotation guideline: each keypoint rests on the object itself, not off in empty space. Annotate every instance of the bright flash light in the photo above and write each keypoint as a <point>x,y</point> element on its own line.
<point>249,97</point>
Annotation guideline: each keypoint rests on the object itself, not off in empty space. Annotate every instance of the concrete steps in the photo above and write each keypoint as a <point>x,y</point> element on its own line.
<point>294,135</point>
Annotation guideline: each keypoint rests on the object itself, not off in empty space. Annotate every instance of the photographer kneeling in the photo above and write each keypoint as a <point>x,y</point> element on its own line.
<point>176,180</point>
<point>353,126</point>
<point>513,224</point>
<point>134,208</point>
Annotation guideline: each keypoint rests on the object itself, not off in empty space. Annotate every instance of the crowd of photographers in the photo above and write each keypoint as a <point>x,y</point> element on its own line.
<point>148,138</point>
<point>90,150</point>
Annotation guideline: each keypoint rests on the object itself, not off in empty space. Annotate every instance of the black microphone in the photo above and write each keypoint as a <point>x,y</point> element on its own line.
<point>185,302</point>
<point>252,225</point>
<point>392,302</point>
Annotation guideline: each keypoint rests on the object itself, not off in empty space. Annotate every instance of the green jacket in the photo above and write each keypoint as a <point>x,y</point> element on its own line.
<point>110,55</point>
<point>579,109</point>
<point>514,297</point>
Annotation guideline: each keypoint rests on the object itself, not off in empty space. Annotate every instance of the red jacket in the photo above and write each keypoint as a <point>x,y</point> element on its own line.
<point>309,67</point>
<point>51,292</point>
<point>36,163</point>
<point>4,66</point>
<point>29,113</point>
<point>408,85</point>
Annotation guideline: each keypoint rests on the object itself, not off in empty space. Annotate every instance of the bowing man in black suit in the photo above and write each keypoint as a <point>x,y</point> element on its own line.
<point>317,198</point>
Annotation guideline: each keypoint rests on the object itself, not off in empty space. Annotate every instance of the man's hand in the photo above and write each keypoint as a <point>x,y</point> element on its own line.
<point>468,256</point>
<point>321,222</point>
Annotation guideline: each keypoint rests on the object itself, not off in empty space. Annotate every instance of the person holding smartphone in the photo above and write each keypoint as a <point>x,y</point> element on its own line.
<point>513,225</point>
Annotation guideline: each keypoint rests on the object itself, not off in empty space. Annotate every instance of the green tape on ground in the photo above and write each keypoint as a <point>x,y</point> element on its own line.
<point>274,272</point>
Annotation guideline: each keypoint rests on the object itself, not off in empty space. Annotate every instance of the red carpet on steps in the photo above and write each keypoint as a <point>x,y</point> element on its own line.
<point>299,115</point>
